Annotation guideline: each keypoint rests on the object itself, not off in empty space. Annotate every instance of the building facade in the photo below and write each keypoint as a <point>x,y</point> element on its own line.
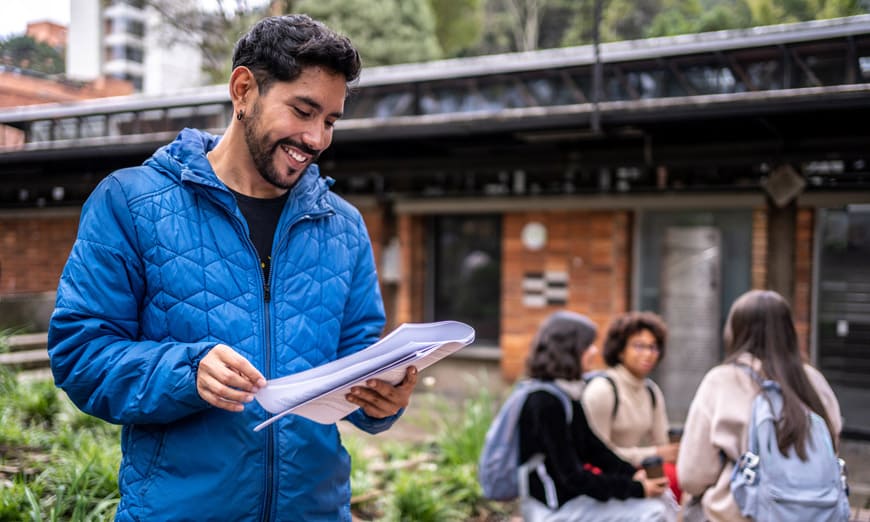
<point>499,189</point>
<point>126,39</point>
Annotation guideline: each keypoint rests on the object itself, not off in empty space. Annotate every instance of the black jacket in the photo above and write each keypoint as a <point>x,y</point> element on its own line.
<point>543,429</point>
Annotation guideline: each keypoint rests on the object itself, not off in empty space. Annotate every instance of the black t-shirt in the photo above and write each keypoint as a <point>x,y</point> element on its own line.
<point>262,215</point>
<point>543,429</point>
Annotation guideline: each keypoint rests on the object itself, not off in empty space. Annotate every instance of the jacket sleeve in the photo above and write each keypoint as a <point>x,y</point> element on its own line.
<point>363,320</point>
<point>544,426</point>
<point>699,463</point>
<point>93,340</point>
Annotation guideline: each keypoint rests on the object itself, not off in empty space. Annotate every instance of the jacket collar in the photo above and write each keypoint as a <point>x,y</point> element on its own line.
<point>185,161</point>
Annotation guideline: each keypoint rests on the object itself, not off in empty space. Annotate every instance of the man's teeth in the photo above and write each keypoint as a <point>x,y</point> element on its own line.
<point>293,154</point>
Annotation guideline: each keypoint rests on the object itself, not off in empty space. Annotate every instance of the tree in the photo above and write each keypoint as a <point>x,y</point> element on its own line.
<point>385,31</point>
<point>26,53</point>
<point>458,24</point>
<point>214,31</point>
<point>628,19</point>
<point>697,16</point>
<point>526,25</point>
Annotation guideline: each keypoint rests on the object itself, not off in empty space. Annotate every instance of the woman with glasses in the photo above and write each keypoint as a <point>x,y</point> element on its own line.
<point>625,407</point>
<point>582,479</point>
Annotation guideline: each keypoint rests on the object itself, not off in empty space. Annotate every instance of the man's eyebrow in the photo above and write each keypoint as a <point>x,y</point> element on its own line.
<point>316,106</point>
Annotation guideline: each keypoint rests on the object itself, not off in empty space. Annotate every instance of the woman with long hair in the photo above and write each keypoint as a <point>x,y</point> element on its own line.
<point>572,452</point>
<point>760,334</point>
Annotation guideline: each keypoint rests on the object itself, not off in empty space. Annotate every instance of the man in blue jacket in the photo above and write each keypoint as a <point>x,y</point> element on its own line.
<point>218,263</point>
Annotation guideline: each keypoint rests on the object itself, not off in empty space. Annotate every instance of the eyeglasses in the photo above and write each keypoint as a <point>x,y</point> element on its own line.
<point>646,347</point>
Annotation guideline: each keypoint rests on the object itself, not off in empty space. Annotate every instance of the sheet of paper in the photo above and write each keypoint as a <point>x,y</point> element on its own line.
<point>318,393</point>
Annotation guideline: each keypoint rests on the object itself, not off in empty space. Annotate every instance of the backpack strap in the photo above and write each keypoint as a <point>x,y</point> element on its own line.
<point>647,382</point>
<point>536,462</point>
<point>600,373</point>
<point>748,462</point>
<point>652,392</point>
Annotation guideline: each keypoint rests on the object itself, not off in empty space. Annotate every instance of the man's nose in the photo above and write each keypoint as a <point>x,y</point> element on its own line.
<point>316,136</point>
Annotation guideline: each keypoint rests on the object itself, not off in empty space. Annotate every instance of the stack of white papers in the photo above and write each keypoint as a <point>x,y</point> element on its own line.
<point>319,393</point>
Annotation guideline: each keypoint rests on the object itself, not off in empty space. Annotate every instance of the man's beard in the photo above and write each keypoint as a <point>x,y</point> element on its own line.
<point>263,153</point>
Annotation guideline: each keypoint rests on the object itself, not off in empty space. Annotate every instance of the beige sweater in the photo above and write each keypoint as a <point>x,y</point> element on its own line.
<point>718,420</point>
<point>637,428</point>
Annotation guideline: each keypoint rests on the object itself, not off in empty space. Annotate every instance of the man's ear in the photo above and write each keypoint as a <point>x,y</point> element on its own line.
<point>243,85</point>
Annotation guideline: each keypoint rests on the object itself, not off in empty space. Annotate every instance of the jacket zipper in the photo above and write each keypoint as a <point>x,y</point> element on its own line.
<point>270,433</point>
<point>267,296</point>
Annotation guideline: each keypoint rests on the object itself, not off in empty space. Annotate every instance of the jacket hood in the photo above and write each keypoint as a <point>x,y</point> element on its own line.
<point>185,158</point>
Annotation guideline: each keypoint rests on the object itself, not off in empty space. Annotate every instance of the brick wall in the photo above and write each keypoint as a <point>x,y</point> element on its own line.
<point>593,248</point>
<point>803,275</point>
<point>759,249</point>
<point>33,250</point>
<point>23,89</point>
<point>412,247</point>
<point>374,219</point>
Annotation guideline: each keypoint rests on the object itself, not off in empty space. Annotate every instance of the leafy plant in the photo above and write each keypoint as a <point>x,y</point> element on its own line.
<point>421,496</point>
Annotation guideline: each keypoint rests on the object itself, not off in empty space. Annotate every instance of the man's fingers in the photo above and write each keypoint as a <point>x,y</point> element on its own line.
<point>219,402</point>
<point>227,380</point>
<point>410,380</point>
<point>241,366</point>
<point>381,399</point>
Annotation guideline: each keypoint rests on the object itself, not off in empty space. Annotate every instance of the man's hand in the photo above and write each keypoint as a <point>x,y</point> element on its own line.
<point>380,399</point>
<point>227,380</point>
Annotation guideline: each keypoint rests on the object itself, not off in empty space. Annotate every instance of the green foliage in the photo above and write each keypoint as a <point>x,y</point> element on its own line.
<point>25,52</point>
<point>458,24</point>
<point>461,440</point>
<point>39,403</point>
<point>693,16</point>
<point>434,479</point>
<point>67,462</point>
<point>385,31</point>
<point>628,19</point>
<point>422,496</point>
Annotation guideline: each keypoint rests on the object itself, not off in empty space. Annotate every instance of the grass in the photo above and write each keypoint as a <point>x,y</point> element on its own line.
<point>58,464</point>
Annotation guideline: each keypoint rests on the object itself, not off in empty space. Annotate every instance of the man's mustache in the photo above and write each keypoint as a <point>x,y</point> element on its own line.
<point>301,146</point>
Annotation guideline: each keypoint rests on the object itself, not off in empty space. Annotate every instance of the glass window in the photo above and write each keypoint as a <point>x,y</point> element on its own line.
<point>842,327</point>
<point>466,282</point>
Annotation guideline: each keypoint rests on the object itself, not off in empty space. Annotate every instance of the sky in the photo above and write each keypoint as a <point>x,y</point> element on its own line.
<point>16,14</point>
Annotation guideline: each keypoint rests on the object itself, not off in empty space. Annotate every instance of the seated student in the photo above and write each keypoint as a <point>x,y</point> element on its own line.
<point>625,408</point>
<point>618,491</point>
<point>758,333</point>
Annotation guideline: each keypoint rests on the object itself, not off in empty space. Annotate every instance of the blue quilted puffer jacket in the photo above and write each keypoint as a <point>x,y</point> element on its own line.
<point>161,271</point>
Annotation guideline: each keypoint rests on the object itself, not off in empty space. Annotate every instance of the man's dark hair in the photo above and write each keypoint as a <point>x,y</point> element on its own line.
<point>627,325</point>
<point>278,48</point>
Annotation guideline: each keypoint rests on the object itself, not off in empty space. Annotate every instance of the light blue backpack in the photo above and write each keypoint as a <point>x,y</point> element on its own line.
<point>769,486</point>
<point>499,471</point>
